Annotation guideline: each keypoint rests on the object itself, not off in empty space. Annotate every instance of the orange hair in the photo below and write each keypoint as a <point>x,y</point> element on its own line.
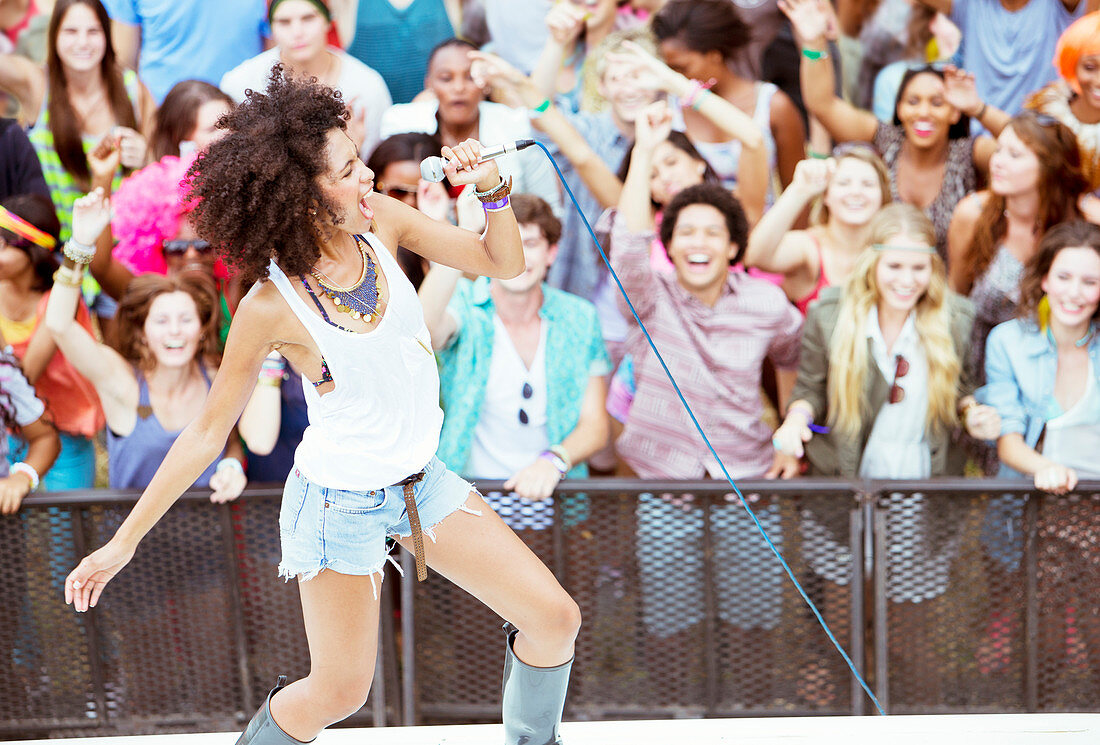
<point>1080,39</point>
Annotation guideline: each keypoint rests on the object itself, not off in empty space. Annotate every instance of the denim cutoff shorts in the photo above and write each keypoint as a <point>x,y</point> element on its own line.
<point>346,531</point>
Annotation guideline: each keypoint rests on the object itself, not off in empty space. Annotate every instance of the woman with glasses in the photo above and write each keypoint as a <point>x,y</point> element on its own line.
<point>396,165</point>
<point>28,236</point>
<point>932,159</point>
<point>846,191</point>
<point>881,378</point>
<point>154,233</point>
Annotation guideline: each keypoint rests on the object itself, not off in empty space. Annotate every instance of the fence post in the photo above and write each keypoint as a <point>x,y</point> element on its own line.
<point>408,640</point>
<point>92,627</point>
<point>879,560</point>
<point>1031,602</point>
<point>856,618</point>
<point>232,560</point>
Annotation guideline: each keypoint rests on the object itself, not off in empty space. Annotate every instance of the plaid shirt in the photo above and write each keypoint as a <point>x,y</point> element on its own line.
<point>715,355</point>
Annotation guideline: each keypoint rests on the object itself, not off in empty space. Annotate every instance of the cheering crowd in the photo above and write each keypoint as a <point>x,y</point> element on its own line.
<point>864,239</point>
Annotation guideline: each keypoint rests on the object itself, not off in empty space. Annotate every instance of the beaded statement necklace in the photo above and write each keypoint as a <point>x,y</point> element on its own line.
<point>360,300</point>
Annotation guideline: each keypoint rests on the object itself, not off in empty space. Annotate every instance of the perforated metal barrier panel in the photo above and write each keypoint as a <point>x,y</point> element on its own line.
<point>961,596</point>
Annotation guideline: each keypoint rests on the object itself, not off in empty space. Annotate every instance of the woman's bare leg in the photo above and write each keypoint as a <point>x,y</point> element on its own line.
<point>341,618</point>
<point>486,558</point>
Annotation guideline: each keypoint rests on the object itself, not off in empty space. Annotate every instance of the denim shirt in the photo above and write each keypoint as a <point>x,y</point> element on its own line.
<point>574,352</point>
<point>1020,365</point>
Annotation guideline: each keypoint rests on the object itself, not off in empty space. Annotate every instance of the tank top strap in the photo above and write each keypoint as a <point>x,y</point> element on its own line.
<point>205,375</point>
<point>282,283</point>
<point>143,388</point>
<point>762,110</point>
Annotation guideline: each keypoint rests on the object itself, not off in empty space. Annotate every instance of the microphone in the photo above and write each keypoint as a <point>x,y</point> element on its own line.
<point>431,169</point>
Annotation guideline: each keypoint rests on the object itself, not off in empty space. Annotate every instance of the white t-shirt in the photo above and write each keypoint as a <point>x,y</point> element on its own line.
<point>502,444</point>
<point>359,84</point>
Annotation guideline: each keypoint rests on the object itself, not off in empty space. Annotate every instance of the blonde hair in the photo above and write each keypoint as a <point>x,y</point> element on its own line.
<point>849,359</point>
<point>819,213</point>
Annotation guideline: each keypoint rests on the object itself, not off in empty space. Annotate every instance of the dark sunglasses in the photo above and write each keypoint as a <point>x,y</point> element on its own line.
<point>901,369</point>
<point>1045,120</point>
<point>397,191</point>
<point>528,391</point>
<point>180,247</point>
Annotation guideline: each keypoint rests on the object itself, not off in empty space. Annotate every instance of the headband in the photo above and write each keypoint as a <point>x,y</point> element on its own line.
<point>918,249</point>
<point>320,5</point>
<point>16,224</point>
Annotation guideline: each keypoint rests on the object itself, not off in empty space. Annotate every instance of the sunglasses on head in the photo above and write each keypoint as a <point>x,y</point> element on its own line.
<point>850,148</point>
<point>180,247</point>
<point>1045,120</point>
<point>901,369</point>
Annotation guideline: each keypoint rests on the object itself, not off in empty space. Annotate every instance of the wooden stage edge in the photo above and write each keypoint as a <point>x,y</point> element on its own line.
<point>960,729</point>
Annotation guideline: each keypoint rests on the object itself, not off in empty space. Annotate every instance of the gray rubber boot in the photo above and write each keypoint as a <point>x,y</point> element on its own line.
<point>262,730</point>
<point>534,698</point>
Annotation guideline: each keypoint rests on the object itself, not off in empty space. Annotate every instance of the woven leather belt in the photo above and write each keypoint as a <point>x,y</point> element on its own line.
<point>414,523</point>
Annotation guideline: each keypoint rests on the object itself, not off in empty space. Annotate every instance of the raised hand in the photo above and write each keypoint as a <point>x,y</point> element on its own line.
<point>811,176</point>
<point>653,126</point>
<point>654,73</point>
<point>565,21</point>
<point>810,20</point>
<point>357,121</point>
<point>85,584</point>
<point>91,214</point>
<point>133,148</point>
<point>463,166</point>
<point>104,159</point>
<point>960,91</point>
<point>432,199</point>
<point>488,70</point>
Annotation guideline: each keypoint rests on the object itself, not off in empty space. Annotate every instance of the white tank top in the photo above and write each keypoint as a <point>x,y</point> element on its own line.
<point>381,423</point>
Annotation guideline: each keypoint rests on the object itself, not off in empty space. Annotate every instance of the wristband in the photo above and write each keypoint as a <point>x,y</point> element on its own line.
<point>542,108</point>
<point>230,462</point>
<point>981,111</point>
<point>27,470</point>
<point>498,192</point>
<point>815,54</point>
<point>691,99</point>
<point>562,453</point>
<point>77,252</point>
<point>495,206</point>
<point>556,461</point>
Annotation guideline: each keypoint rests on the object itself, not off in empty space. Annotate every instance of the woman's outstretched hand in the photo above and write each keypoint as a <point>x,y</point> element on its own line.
<point>85,584</point>
<point>91,214</point>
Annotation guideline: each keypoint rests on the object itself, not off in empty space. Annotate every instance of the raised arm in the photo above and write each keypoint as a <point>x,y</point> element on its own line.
<point>653,126</point>
<point>498,252</point>
<point>105,369</point>
<point>250,340</point>
<point>547,118</point>
<point>773,244</point>
<point>565,23</point>
<point>845,122</point>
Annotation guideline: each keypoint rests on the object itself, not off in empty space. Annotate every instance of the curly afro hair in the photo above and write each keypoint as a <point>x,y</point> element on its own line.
<point>256,187</point>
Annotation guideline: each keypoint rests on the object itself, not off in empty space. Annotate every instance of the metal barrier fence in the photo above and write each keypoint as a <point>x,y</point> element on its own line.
<point>949,596</point>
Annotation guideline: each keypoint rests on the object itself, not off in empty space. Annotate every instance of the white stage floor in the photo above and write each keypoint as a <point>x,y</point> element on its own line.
<point>971,729</point>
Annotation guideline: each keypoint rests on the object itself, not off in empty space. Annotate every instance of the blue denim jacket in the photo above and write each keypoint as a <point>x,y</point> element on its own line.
<point>1020,365</point>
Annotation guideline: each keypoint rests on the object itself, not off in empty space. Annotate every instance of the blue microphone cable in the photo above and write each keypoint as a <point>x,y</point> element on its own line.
<point>699,428</point>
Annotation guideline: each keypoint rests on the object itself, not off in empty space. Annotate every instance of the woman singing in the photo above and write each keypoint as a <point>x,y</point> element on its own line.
<point>285,197</point>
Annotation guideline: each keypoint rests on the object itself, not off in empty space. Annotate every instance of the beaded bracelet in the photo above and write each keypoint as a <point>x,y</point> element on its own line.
<point>77,252</point>
<point>495,206</point>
